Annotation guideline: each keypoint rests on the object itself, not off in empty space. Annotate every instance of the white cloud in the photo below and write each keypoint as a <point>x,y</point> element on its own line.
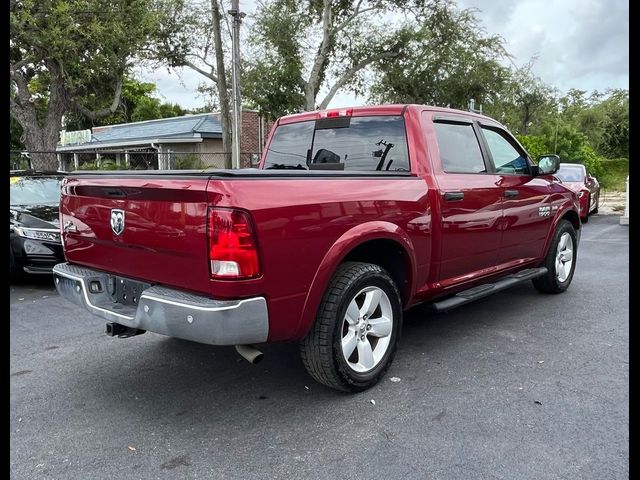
<point>579,43</point>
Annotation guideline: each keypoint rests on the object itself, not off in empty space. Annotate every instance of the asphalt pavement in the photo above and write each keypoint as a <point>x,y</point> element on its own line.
<point>520,385</point>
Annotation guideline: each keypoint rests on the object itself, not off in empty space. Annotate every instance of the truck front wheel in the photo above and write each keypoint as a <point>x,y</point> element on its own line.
<point>560,260</point>
<point>354,337</point>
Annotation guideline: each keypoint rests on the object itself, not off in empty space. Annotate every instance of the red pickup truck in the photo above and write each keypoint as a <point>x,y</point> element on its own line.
<point>354,216</point>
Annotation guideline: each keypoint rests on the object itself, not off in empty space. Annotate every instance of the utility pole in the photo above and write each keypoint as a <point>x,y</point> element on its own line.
<point>235,82</point>
<point>555,145</point>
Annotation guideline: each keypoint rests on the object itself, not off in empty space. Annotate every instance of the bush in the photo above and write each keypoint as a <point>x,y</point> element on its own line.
<point>88,166</point>
<point>571,146</point>
<point>188,162</point>
<point>614,174</point>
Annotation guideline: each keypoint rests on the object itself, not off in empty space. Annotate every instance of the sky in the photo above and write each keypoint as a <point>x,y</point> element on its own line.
<point>581,44</point>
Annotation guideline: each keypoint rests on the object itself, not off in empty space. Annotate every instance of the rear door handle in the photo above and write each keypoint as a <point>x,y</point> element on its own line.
<point>510,193</point>
<point>453,196</point>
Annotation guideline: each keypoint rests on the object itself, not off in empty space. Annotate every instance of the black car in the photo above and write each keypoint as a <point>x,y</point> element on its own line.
<point>35,245</point>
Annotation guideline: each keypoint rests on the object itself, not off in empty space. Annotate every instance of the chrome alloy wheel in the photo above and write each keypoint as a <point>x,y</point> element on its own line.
<point>564,257</point>
<point>366,329</point>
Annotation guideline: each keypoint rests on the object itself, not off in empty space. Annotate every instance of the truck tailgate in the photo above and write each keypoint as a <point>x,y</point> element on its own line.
<point>164,238</point>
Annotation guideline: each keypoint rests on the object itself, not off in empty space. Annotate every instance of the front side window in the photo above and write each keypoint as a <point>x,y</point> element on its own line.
<point>375,143</point>
<point>459,148</point>
<point>506,158</point>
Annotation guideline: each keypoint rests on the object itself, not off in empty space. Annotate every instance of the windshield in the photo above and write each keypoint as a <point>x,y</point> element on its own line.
<point>375,143</point>
<point>34,190</point>
<point>571,173</point>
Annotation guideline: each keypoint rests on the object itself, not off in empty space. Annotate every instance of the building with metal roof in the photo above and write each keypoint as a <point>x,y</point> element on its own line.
<point>156,144</point>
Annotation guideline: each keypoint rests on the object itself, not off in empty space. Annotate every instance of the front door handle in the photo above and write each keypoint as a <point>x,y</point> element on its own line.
<point>510,193</point>
<point>453,196</point>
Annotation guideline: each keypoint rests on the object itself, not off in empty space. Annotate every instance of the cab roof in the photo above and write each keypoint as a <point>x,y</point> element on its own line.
<point>366,110</point>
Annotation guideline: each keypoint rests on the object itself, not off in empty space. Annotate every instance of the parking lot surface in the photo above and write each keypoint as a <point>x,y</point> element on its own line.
<point>519,385</point>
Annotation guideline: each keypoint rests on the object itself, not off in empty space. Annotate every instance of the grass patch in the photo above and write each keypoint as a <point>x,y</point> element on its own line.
<point>614,174</point>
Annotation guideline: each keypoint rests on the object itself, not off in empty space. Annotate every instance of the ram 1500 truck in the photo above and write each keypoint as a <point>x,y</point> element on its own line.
<point>353,216</point>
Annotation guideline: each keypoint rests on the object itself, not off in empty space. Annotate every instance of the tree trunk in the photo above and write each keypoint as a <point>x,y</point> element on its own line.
<point>41,142</point>
<point>221,80</point>
<point>40,137</point>
<point>320,62</point>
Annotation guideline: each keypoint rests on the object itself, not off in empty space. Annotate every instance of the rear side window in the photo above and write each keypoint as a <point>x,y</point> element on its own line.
<point>375,143</point>
<point>459,148</point>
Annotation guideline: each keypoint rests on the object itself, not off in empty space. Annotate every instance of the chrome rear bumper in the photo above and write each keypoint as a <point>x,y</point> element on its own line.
<point>167,311</point>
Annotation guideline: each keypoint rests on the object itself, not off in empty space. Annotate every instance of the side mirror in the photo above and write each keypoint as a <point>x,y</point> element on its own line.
<point>548,164</point>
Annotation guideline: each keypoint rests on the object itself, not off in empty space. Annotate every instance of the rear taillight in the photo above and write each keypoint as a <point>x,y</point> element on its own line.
<point>233,252</point>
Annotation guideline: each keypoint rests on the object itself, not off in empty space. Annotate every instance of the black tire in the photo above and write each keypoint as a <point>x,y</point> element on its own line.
<point>321,350</point>
<point>550,282</point>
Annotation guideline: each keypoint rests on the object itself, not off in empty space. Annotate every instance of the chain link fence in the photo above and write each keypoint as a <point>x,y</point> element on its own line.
<point>143,159</point>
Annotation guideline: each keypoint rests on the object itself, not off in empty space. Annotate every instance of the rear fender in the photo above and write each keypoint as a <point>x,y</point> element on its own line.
<point>351,239</point>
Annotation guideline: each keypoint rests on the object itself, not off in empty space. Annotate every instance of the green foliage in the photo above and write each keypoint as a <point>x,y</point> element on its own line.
<point>138,102</point>
<point>614,110</point>
<point>448,59</point>
<point>89,166</point>
<point>272,77</point>
<point>294,54</point>
<point>602,117</point>
<point>101,164</point>
<point>587,129</point>
<point>525,103</point>
<point>535,145</point>
<point>570,144</point>
<point>188,162</point>
<point>614,174</point>
<point>65,52</point>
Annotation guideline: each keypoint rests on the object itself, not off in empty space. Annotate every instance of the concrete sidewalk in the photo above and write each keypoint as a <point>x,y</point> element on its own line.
<point>611,203</point>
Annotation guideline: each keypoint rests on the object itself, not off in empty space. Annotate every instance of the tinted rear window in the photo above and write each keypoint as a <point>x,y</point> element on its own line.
<point>571,173</point>
<point>459,148</point>
<point>377,143</point>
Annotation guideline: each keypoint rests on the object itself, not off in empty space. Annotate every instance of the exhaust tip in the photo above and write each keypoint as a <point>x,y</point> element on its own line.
<point>250,353</point>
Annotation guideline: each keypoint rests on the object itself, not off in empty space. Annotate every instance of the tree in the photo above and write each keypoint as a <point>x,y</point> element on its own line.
<point>566,141</point>
<point>300,48</point>
<point>194,39</point>
<point>138,102</point>
<point>602,117</point>
<point>62,51</point>
<point>526,102</point>
<point>613,108</point>
<point>447,61</point>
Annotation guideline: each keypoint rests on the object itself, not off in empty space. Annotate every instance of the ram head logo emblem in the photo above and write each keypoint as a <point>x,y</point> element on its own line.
<point>117,221</point>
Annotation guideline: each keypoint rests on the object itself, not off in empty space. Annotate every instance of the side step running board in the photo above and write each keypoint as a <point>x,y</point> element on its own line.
<point>487,289</point>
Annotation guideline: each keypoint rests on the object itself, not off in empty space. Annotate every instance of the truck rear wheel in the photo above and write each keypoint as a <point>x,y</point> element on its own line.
<point>354,337</point>
<point>560,260</point>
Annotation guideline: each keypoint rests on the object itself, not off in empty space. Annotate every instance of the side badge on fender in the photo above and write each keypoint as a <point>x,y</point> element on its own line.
<point>544,211</point>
